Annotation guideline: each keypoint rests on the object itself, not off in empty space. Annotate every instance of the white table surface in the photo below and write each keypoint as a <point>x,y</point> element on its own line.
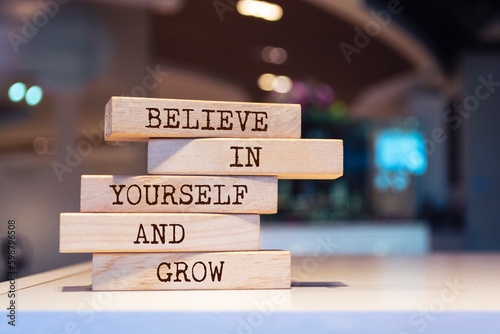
<point>442,293</point>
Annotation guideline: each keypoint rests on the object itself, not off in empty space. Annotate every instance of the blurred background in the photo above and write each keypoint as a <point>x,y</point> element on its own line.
<point>412,87</point>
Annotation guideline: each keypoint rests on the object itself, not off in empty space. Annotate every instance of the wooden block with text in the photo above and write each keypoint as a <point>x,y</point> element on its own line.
<point>157,232</point>
<point>191,271</point>
<point>154,193</point>
<point>138,119</point>
<point>285,158</point>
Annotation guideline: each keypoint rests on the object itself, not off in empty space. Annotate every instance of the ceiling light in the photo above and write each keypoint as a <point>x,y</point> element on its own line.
<point>261,9</point>
<point>274,55</point>
<point>265,81</point>
<point>282,84</point>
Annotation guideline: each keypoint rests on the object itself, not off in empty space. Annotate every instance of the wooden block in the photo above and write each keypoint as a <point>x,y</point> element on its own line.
<point>137,119</point>
<point>191,271</point>
<point>157,232</point>
<point>285,158</point>
<point>229,194</point>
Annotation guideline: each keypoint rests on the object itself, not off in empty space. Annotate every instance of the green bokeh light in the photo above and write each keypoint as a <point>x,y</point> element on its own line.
<point>34,95</point>
<point>17,91</point>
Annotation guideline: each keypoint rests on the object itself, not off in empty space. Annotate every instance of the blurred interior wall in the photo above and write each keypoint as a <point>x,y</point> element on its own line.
<point>428,106</point>
<point>481,116</point>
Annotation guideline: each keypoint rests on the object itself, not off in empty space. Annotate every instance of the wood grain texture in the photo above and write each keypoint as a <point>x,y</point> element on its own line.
<point>157,232</point>
<point>197,194</point>
<point>285,158</point>
<point>137,119</point>
<point>191,271</point>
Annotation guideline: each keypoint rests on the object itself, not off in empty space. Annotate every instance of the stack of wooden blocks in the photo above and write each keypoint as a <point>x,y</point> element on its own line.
<point>194,224</point>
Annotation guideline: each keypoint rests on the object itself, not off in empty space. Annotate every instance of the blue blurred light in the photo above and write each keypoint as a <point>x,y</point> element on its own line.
<point>34,95</point>
<point>397,150</point>
<point>17,91</point>
<point>382,181</point>
<point>400,183</point>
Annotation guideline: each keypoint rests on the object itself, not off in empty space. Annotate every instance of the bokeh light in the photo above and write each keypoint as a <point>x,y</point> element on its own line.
<point>17,92</point>
<point>261,9</point>
<point>34,95</point>
<point>265,81</point>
